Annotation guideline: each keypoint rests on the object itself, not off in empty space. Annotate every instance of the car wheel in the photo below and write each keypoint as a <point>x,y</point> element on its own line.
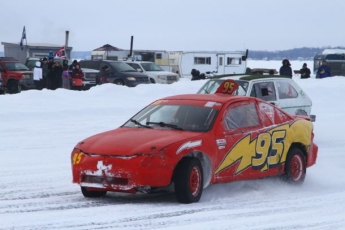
<point>152,81</point>
<point>13,87</point>
<point>295,166</point>
<point>92,194</point>
<point>119,82</point>
<point>188,180</point>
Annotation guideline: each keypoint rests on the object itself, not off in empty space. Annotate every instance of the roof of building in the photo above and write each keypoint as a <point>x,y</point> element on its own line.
<point>107,47</point>
<point>32,44</point>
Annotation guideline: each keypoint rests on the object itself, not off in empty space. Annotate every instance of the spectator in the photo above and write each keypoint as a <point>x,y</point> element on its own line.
<point>286,69</point>
<point>66,78</point>
<point>305,71</point>
<point>65,64</point>
<point>77,78</point>
<point>324,70</point>
<point>50,74</point>
<point>72,66</point>
<point>44,66</point>
<point>103,76</point>
<point>56,80</point>
<point>38,76</point>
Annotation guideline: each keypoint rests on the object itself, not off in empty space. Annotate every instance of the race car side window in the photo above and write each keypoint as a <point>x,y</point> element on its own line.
<point>264,91</point>
<point>286,90</point>
<point>241,115</point>
<point>270,114</point>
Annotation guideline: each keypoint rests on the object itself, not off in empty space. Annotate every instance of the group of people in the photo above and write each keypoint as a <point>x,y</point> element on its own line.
<point>322,72</point>
<point>52,75</point>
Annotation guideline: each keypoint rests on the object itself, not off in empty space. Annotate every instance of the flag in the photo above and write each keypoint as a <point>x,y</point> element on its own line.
<point>23,37</point>
<point>60,53</point>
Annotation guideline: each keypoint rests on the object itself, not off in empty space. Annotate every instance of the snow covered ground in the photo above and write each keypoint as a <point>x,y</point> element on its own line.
<point>38,130</point>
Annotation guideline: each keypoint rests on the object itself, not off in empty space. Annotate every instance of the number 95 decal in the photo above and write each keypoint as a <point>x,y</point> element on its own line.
<point>263,152</point>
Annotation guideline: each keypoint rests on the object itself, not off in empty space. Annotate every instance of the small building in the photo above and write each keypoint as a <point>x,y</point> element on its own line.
<point>31,50</point>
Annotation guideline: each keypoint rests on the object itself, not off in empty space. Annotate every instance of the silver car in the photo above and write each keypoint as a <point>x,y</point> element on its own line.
<point>280,91</point>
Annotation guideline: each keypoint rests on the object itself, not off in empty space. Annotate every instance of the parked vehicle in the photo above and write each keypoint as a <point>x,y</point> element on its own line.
<point>155,72</point>
<point>335,60</point>
<point>1,88</point>
<point>225,62</point>
<point>15,75</point>
<point>281,91</point>
<point>191,141</point>
<point>119,73</point>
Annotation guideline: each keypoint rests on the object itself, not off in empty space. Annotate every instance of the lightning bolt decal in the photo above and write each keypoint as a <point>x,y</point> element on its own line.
<point>268,149</point>
<point>238,152</point>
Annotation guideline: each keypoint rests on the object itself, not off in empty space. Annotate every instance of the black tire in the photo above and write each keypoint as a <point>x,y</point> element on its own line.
<point>295,166</point>
<point>13,87</point>
<point>152,81</point>
<point>188,180</point>
<point>92,194</point>
<point>119,82</point>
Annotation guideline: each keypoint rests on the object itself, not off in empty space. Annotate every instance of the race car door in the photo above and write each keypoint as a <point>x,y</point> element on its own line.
<point>235,155</point>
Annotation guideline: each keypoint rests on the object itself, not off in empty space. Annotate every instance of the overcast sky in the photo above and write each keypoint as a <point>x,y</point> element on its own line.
<point>177,24</point>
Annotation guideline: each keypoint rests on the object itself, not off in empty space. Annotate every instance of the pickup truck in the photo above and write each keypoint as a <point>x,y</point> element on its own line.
<point>15,76</point>
<point>155,72</point>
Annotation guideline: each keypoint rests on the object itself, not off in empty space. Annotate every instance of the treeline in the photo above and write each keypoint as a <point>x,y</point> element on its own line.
<point>304,53</point>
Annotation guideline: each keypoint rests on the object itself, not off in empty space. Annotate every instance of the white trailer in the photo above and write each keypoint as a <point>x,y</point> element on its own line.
<point>219,62</point>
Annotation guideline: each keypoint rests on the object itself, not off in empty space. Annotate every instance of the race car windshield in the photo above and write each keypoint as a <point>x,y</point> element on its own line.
<point>212,85</point>
<point>176,117</point>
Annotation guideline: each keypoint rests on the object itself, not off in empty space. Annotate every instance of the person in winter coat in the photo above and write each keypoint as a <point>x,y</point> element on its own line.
<point>56,80</point>
<point>72,66</point>
<point>324,70</point>
<point>286,69</point>
<point>44,65</point>
<point>38,79</point>
<point>66,78</point>
<point>77,78</point>
<point>103,76</point>
<point>305,71</point>
<point>50,74</point>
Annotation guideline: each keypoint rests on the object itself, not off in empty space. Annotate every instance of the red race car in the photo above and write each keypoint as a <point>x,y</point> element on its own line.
<point>192,141</point>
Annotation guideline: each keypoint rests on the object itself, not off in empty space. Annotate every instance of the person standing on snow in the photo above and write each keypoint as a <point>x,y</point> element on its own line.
<point>38,79</point>
<point>50,74</point>
<point>324,70</point>
<point>286,69</point>
<point>44,65</point>
<point>77,78</point>
<point>305,71</point>
<point>66,78</point>
<point>56,80</point>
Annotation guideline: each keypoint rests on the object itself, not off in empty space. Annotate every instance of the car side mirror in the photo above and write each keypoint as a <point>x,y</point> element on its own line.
<point>139,70</point>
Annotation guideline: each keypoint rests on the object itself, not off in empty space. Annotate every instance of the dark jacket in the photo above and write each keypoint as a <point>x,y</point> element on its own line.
<point>324,71</point>
<point>57,77</point>
<point>305,73</point>
<point>285,69</point>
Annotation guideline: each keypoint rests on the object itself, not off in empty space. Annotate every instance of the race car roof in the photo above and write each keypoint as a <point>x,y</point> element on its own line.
<point>248,77</point>
<point>221,98</point>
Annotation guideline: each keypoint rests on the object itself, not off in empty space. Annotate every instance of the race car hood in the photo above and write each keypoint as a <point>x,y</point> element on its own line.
<point>131,141</point>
